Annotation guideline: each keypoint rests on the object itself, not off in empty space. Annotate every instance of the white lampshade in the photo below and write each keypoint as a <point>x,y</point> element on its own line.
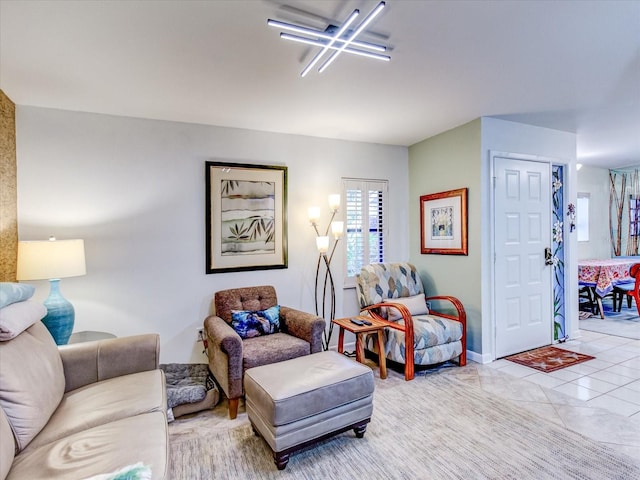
<point>47,259</point>
<point>314,214</point>
<point>337,228</point>
<point>334,201</point>
<point>323,244</point>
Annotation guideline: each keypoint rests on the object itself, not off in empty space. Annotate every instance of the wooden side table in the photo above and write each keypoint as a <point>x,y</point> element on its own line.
<point>376,326</point>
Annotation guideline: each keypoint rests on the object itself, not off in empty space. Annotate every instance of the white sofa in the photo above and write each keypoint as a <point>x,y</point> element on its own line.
<point>88,410</point>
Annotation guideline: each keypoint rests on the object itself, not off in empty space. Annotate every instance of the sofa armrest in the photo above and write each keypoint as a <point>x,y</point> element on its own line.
<point>306,326</point>
<point>90,362</point>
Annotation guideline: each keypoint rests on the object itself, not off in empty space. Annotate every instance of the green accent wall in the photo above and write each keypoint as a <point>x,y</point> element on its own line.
<point>444,162</point>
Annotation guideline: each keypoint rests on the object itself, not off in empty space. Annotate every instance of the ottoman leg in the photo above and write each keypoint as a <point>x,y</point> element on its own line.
<point>281,459</point>
<point>359,430</point>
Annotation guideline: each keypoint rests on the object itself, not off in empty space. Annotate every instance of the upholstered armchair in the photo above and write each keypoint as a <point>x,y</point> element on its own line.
<point>416,334</point>
<point>295,334</point>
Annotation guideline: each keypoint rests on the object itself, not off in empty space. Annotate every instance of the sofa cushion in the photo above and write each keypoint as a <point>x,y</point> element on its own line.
<point>14,292</point>
<point>102,449</point>
<point>271,349</point>
<point>103,402</point>
<point>17,317</point>
<point>245,298</point>
<point>249,324</point>
<point>7,445</point>
<point>31,381</point>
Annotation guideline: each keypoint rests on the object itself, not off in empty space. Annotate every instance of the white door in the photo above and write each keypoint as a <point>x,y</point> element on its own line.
<point>522,219</point>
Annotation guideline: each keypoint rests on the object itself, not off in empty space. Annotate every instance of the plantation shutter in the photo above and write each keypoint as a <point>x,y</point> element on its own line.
<point>365,236</point>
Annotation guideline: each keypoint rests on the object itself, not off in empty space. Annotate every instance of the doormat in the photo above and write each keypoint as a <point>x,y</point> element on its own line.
<point>549,359</point>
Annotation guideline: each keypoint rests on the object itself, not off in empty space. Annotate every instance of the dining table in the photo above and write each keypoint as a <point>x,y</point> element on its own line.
<point>602,275</point>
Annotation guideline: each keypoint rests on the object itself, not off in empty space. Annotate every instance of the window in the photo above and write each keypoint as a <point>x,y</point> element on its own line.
<point>582,217</point>
<point>634,216</point>
<point>365,229</point>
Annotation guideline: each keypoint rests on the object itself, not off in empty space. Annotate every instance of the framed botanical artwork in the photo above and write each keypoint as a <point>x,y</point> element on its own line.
<point>443,223</point>
<point>246,217</point>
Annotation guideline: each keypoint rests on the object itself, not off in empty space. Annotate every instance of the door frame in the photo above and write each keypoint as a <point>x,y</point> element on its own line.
<point>571,275</point>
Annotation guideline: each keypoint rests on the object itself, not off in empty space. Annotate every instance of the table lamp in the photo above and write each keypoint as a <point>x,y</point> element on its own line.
<point>52,260</point>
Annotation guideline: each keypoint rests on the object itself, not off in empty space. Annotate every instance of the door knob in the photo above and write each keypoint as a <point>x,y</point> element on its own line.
<point>548,258</point>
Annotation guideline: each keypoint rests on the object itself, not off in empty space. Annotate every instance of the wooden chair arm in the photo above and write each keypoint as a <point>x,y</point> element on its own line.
<point>407,328</point>
<point>462,318</point>
<point>462,314</point>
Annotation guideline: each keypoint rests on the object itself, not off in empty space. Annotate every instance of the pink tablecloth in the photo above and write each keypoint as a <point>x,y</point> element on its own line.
<point>604,273</point>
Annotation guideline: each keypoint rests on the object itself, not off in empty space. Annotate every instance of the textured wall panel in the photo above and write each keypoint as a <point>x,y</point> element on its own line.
<point>8,194</point>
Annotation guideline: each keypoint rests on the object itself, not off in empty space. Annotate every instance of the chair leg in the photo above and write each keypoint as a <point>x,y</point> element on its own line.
<point>462,359</point>
<point>592,303</point>
<point>599,300</point>
<point>233,407</point>
<point>409,369</point>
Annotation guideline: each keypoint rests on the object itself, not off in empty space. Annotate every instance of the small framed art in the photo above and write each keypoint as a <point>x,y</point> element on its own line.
<point>443,223</point>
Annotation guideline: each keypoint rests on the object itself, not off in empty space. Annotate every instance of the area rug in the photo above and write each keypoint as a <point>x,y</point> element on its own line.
<point>625,323</point>
<point>549,359</point>
<point>433,427</point>
<point>583,315</point>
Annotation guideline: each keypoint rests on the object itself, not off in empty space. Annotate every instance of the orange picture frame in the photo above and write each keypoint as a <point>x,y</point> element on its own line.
<point>444,222</point>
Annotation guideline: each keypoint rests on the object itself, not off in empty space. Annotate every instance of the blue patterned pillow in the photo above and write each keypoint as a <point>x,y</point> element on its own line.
<point>253,324</point>
<point>14,292</point>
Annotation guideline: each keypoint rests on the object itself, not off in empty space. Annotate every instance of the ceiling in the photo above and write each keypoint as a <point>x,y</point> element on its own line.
<point>567,65</point>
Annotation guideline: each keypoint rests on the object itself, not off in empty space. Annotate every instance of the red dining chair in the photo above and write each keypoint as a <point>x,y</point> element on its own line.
<point>630,290</point>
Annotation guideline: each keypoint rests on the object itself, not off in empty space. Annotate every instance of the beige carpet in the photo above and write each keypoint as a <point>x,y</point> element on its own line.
<point>434,427</point>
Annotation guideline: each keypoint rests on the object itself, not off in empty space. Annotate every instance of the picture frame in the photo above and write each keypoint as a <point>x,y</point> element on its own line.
<point>246,217</point>
<point>444,223</point>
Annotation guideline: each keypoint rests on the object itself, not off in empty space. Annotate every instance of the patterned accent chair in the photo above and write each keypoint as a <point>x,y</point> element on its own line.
<point>416,335</point>
<point>230,355</point>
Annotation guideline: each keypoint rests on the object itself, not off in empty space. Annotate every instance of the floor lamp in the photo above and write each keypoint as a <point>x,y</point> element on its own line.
<point>324,259</point>
<point>52,260</point>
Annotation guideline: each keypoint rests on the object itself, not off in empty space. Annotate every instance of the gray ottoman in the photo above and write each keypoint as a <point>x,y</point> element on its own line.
<point>297,402</point>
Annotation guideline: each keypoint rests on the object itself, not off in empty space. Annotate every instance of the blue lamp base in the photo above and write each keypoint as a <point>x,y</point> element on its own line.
<point>61,315</point>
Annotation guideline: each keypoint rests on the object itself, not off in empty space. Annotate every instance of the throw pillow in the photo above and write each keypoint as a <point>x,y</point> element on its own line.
<point>250,324</point>
<point>14,292</point>
<point>17,317</point>
<point>417,305</point>
<point>139,471</point>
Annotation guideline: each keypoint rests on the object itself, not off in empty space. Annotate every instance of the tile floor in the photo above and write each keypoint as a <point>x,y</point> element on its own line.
<point>599,398</point>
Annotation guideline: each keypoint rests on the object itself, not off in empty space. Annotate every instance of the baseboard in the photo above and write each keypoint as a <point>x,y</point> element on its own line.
<point>482,358</point>
<point>575,334</point>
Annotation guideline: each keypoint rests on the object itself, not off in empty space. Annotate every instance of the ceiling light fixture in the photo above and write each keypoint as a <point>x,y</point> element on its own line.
<point>339,40</point>
<point>319,43</point>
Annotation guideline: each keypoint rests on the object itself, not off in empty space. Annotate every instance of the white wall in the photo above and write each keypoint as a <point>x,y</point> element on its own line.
<point>505,136</point>
<point>595,181</point>
<point>134,190</point>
